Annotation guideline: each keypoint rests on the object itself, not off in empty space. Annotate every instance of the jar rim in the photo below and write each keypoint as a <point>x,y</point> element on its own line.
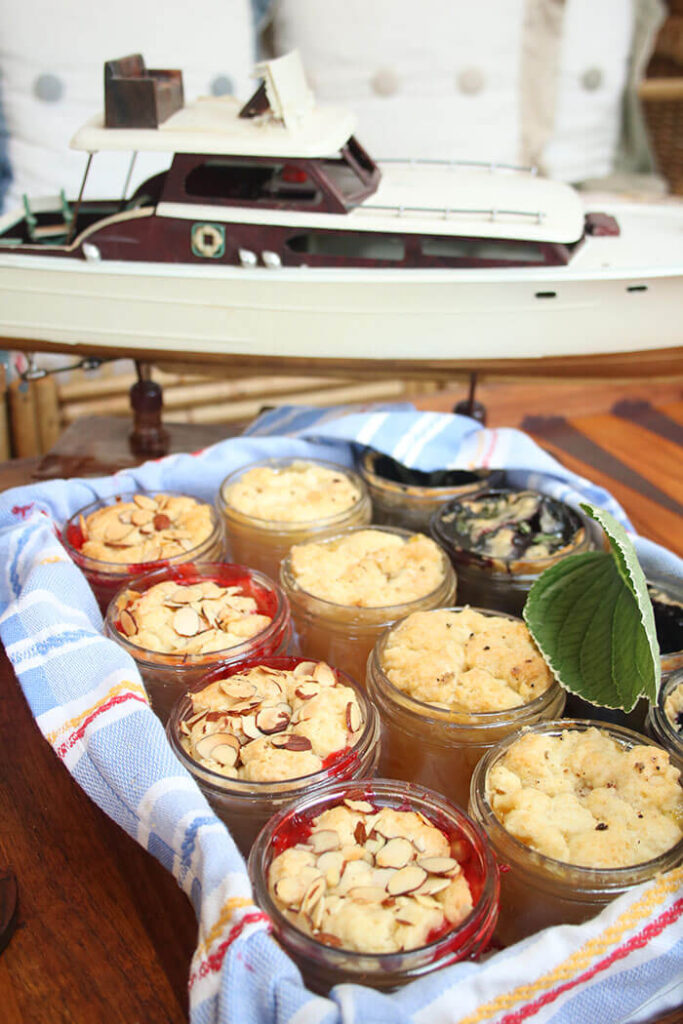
<point>418,797</point>
<point>425,712</point>
<point>525,856</point>
<point>190,573</point>
<point>510,566</point>
<point>293,588</point>
<point>367,467</point>
<point>246,789</point>
<point>659,715</point>
<point>293,525</point>
<point>104,567</point>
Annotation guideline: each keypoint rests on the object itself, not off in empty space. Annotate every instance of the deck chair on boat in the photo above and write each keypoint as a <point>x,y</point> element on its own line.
<point>57,231</point>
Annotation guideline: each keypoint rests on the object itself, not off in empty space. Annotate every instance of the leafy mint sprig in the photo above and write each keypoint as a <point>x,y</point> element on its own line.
<point>592,619</point>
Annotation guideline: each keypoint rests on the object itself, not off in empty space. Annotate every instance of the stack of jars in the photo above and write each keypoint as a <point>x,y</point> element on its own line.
<point>319,626</point>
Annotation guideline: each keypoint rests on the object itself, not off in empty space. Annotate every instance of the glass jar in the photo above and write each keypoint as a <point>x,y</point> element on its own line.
<point>409,497</point>
<point>666,594</point>
<point>167,676</point>
<point>246,806</point>
<point>658,725</point>
<point>538,891</point>
<point>344,635</point>
<point>437,747</point>
<point>105,577</point>
<point>503,582</point>
<point>263,543</point>
<point>324,965</point>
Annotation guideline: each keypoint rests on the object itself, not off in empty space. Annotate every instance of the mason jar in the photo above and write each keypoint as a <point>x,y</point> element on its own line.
<point>408,497</point>
<point>664,722</point>
<point>539,891</point>
<point>502,581</point>
<point>245,806</point>
<point>437,746</point>
<point>262,540</point>
<point>344,634</point>
<point>323,964</point>
<point>167,675</point>
<point>107,576</point>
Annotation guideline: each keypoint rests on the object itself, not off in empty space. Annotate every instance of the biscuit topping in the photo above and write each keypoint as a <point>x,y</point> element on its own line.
<point>465,661</point>
<point>371,880</point>
<point>268,725</point>
<point>295,493</point>
<point>369,568</point>
<point>585,799</point>
<point>195,619</point>
<point>146,529</point>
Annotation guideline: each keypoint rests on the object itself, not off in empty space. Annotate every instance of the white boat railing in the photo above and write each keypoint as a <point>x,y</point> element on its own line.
<point>490,165</point>
<point>491,213</point>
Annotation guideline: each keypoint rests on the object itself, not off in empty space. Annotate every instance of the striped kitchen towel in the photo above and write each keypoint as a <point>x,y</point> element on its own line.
<point>88,700</point>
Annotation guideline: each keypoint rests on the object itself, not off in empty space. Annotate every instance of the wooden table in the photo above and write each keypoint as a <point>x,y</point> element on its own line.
<point>104,934</point>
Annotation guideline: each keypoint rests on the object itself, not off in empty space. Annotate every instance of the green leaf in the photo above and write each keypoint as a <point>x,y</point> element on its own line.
<point>591,617</point>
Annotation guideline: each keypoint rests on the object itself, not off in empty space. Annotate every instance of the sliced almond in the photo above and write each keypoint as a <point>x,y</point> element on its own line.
<point>289,890</point>
<point>354,719</point>
<point>329,940</point>
<point>313,894</point>
<point>324,674</point>
<point>146,530</point>
<point>305,668</point>
<point>360,806</point>
<point>128,624</point>
<point>433,884</point>
<point>395,854</point>
<point>117,531</point>
<point>331,864</point>
<point>207,744</point>
<point>374,844</point>
<point>427,901</point>
<point>144,501</point>
<point>367,894</point>
<point>324,840</point>
<point>359,833</point>
<point>271,720</point>
<point>294,743</point>
<point>186,622</point>
<point>408,879</point>
<point>307,690</point>
<point>410,913</point>
<point>237,687</point>
<point>439,865</point>
<point>141,516</point>
<point>245,707</point>
<point>83,526</point>
<point>182,595</point>
<point>161,521</point>
<point>317,915</point>
<point>126,517</point>
<point>249,727</point>
<point>226,754</point>
<point>186,545</point>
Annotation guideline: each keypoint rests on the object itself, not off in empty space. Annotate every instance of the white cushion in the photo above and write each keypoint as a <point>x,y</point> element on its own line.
<point>69,41</point>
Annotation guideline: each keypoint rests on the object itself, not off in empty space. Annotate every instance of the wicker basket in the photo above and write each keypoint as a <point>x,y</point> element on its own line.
<point>662,100</point>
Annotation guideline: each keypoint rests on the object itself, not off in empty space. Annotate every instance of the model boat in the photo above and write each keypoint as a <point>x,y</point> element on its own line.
<point>273,233</point>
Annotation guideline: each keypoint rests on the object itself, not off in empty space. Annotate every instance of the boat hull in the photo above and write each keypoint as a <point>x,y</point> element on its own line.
<point>440,316</point>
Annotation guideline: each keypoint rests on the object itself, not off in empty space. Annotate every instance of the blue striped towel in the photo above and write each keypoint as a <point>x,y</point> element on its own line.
<point>88,700</point>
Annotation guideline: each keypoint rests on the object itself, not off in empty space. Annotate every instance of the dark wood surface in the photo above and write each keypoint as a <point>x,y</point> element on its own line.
<point>103,933</point>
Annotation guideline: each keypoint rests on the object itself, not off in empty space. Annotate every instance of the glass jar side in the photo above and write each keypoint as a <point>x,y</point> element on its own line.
<point>659,726</point>
<point>324,965</point>
<point>437,747</point>
<point>245,807</point>
<point>538,891</point>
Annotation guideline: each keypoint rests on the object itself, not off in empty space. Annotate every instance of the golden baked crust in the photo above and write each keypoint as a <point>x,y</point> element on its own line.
<point>178,618</point>
<point>371,881</point>
<point>149,528</point>
<point>584,799</point>
<point>465,661</point>
<point>300,492</point>
<point>673,707</point>
<point>369,568</point>
<point>269,725</point>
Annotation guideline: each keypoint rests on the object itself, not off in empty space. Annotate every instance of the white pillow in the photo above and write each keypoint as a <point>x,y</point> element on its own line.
<point>52,58</point>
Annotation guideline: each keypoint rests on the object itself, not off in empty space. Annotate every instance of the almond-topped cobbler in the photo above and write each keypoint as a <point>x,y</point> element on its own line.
<point>267,724</point>
<point>149,528</point>
<point>463,660</point>
<point>369,568</point>
<point>371,880</point>
<point>188,619</point>
<point>292,493</point>
<point>585,799</point>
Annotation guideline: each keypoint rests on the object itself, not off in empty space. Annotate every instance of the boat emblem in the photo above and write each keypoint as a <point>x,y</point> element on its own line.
<point>208,240</point>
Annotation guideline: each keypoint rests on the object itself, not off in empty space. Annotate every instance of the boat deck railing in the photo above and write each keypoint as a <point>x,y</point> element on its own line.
<point>490,165</point>
<point>490,213</point>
